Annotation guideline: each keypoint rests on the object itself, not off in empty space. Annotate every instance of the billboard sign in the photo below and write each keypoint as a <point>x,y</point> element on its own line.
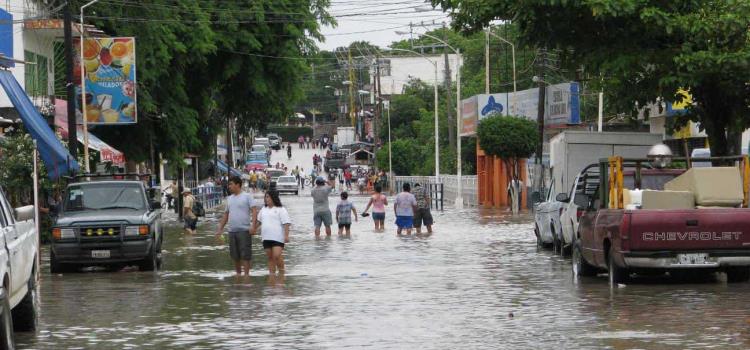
<point>110,77</point>
<point>469,116</point>
<point>562,104</point>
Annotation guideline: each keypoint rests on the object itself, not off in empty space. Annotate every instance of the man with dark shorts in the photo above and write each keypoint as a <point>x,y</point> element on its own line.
<point>240,213</point>
<point>404,207</point>
<point>189,218</point>
<point>422,214</point>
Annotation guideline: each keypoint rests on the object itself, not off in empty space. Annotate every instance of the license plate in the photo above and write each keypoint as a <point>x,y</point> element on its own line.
<point>693,259</point>
<point>100,254</point>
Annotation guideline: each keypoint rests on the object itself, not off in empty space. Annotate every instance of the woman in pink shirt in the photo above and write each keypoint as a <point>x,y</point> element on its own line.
<point>378,201</point>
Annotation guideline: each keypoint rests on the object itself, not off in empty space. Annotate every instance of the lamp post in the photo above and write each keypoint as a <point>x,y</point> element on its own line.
<point>437,144</point>
<point>459,190</point>
<point>390,159</point>
<point>83,97</point>
<point>487,62</point>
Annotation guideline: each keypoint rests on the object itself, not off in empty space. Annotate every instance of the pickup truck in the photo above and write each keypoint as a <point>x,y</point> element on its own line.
<point>108,222</point>
<point>547,228</point>
<point>18,268</point>
<point>694,220</point>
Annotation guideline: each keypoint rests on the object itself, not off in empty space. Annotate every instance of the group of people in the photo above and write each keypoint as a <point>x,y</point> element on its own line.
<point>258,180</point>
<point>305,142</point>
<point>242,218</point>
<point>411,210</point>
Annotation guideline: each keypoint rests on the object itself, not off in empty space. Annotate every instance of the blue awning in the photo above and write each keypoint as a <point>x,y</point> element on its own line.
<point>54,155</point>
<point>223,168</point>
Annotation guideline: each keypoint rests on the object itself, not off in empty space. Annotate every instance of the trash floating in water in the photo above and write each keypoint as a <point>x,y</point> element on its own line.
<point>620,285</point>
<point>510,314</point>
<point>363,274</point>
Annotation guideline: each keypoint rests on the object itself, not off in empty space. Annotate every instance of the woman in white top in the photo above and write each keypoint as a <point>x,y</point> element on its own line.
<point>274,230</point>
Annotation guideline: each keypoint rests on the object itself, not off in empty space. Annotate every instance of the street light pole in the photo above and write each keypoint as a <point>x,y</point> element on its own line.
<point>487,68</point>
<point>435,88</point>
<point>459,195</point>
<point>83,97</point>
<point>390,160</point>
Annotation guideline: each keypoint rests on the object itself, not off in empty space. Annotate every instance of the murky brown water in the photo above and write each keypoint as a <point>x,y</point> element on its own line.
<point>455,289</point>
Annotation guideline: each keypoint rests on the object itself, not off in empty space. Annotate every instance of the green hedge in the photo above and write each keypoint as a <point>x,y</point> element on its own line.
<point>290,133</point>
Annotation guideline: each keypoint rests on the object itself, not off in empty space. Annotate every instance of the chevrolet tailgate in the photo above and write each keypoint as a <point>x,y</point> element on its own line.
<point>686,229</point>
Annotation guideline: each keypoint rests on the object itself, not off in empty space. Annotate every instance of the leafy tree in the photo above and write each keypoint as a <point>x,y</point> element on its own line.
<point>17,168</point>
<point>405,157</point>
<point>511,139</point>
<point>645,49</point>
<point>201,62</point>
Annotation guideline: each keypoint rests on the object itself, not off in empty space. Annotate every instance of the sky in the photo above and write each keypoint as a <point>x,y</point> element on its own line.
<point>377,21</point>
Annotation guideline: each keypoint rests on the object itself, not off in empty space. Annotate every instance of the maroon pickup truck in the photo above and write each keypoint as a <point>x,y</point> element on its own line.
<point>623,238</point>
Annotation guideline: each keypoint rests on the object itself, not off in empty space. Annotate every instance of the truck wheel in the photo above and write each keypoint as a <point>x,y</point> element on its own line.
<point>7,342</point>
<point>25,314</point>
<point>296,193</point>
<point>150,263</point>
<point>539,242</point>
<point>738,274</point>
<point>616,274</point>
<point>580,266</point>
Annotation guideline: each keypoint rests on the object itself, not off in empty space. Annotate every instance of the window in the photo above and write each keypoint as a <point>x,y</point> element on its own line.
<point>385,67</point>
<point>36,77</point>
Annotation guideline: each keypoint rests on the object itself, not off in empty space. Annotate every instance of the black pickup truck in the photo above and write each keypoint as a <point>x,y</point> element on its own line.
<point>107,223</point>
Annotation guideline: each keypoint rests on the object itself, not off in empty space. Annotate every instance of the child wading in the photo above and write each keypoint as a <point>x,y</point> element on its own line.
<point>344,212</point>
<point>274,230</point>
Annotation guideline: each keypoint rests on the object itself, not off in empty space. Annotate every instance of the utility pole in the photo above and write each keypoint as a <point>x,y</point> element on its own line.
<point>379,104</point>
<point>70,84</point>
<point>449,97</point>
<point>352,112</point>
<point>541,67</point>
<point>230,155</point>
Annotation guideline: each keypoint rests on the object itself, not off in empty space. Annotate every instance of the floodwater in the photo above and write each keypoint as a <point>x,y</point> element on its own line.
<point>478,282</point>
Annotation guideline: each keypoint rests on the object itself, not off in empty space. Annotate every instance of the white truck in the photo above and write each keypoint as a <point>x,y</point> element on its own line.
<point>571,151</point>
<point>18,268</point>
<point>345,135</point>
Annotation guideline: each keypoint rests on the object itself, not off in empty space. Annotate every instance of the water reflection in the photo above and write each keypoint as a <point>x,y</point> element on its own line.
<point>478,282</point>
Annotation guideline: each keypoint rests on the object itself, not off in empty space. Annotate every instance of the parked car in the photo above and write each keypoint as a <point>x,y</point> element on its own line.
<point>109,223</point>
<point>274,140</point>
<point>18,268</point>
<point>585,183</point>
<point>257,160</point>
<point>273,175</point>
<point>686,221</point>
<point>287,183</point>
<point>262,141</point>
<point>547,221</point>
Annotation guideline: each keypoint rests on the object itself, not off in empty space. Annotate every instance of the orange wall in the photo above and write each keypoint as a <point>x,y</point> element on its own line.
<point>493,181</point>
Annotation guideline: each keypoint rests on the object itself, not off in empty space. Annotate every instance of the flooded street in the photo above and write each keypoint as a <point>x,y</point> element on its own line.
<point>478,282</point>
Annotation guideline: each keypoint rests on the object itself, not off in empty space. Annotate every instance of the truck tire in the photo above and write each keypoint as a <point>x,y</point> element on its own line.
<point>7,341</point>
<point>580,266</point>
<point>150,263</point>
<point>738,274</point>
<point>296,193</point>
<point>25,313</point>
<point>539,242</point>
<point>616,274</point>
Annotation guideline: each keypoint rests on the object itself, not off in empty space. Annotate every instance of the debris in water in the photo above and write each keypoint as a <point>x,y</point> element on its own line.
<point>363,274</point>
<point>510,314</point>
<point>620,285</point>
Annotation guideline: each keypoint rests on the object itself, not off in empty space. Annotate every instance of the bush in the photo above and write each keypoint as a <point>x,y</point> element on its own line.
<point>290,133</point>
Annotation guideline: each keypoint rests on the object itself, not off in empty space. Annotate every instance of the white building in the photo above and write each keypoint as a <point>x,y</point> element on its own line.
<point>21,38</point>
<point>397,71</point>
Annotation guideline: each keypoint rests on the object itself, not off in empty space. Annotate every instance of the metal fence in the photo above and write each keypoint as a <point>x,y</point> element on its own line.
<point>210,196</point>
<point>450,186</point>
<point>436,191</point>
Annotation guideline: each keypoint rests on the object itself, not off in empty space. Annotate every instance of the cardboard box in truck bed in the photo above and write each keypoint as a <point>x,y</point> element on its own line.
<point>571,151</point>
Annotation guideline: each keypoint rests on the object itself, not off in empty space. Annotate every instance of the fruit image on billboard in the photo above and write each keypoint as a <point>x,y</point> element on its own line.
<point>109,74</point>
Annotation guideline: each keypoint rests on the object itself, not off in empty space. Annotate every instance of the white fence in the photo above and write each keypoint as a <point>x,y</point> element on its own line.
<point>468,183</point>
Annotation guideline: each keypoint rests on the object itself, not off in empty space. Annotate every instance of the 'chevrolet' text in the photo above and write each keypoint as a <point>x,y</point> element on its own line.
<point>691,236</point>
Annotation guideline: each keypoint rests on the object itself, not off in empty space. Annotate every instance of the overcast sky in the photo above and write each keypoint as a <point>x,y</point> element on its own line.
<point>377,21</point>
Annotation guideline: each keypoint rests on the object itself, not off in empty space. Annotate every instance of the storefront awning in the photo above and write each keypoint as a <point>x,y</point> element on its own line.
<point>107,152</point>
<point>54,155</point>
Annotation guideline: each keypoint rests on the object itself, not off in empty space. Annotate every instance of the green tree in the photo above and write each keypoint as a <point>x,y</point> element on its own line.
<point>511,139</point>
<point>406,157</point>
<point>645,50</point>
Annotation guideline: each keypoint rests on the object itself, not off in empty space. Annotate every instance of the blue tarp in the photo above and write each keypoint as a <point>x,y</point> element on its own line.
<point>223,168</point>
<point>54,155</point>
